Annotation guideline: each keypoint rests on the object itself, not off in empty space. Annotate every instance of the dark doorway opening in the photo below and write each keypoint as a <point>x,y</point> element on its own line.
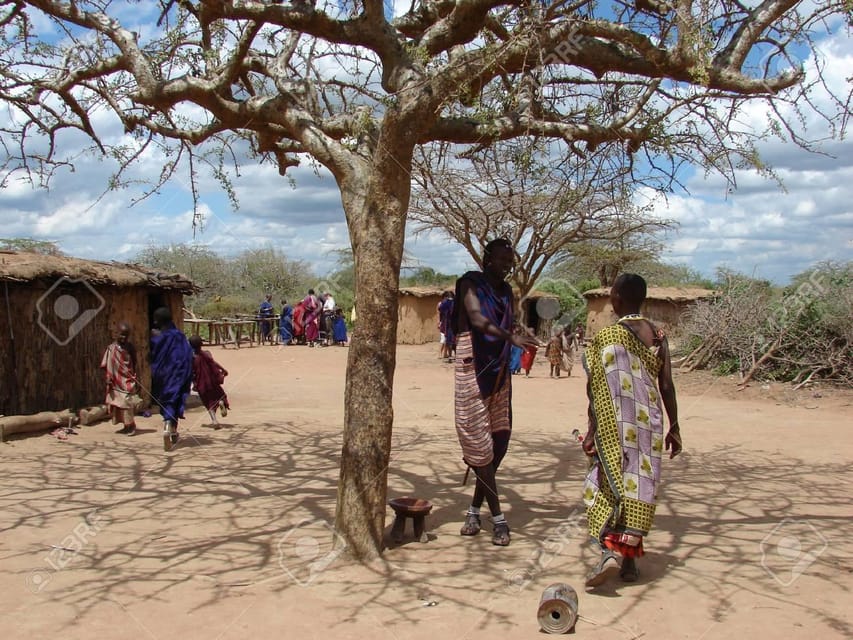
<point>155,301</point>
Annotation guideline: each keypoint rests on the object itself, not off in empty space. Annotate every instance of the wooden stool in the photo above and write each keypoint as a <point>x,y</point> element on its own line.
<point>415,508</point>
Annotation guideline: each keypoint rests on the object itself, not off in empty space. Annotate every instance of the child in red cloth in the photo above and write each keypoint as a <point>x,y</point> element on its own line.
<point>527,359</point>
<point>208,377</point>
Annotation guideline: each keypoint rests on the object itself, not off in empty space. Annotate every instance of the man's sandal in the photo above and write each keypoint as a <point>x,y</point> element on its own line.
<point>607,567</point>
<point>629,571</point>
<point>500,535</point>
<point>472,526</point>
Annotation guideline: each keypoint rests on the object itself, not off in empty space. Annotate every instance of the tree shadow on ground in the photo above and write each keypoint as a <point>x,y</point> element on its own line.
<point>234,507</point>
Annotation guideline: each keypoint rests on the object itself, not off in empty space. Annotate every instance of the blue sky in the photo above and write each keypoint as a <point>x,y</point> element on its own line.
<point>760,229</point>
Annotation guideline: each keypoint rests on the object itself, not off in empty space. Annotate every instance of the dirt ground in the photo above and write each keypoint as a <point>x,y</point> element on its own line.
<point>229,535</point>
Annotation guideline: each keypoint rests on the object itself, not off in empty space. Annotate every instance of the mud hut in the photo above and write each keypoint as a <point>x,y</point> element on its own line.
<point>417,319</point>
<point>57,316</point>
<point>664,306</point>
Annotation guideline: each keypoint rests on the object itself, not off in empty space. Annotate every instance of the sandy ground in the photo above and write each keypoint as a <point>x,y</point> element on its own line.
<point>229,536</point>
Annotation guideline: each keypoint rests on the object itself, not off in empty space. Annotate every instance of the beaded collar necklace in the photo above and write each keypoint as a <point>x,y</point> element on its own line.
<point>632,316</point>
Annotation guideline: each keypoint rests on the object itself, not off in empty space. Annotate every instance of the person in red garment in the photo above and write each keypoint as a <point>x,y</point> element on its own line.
<point>119,365</point>
<point>208,377</point>
<point>299,323</point>
<point>527,359</point>
<point>313,308</point>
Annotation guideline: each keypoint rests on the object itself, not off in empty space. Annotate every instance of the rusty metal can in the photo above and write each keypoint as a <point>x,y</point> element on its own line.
<point>558,608</point>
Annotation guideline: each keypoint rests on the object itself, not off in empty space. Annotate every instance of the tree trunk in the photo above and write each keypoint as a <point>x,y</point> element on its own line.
<point>377,221</point>
<point>35,422</point>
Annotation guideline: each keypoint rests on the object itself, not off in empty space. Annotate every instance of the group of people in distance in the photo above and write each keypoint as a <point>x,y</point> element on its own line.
<point>629,385</point>
<point>315,320</point>
<point>178,365</point>
<point>560,352</point>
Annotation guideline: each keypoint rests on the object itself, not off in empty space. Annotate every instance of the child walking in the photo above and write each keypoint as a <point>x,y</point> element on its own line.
<point>208,377</point>
<point>554,353</point>
<point>339,328</point>
<point>527,359</point>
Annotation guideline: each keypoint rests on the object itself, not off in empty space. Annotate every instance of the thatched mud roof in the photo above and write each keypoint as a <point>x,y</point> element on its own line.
<point>536,295</point>
<point>665,294</point>
<point>23,266</point>
<point>424,292</point>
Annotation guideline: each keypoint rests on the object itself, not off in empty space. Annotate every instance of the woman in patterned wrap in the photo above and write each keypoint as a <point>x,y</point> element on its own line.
<point>629,374</point>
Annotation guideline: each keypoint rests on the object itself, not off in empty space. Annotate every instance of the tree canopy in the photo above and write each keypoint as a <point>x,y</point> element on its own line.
<point>235,284</point>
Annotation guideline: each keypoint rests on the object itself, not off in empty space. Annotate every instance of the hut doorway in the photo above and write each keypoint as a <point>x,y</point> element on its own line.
<point>155,301</point>
<point>531,319</point>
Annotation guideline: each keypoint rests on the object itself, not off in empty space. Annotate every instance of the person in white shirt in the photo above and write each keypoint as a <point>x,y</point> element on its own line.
<point>328,316</point>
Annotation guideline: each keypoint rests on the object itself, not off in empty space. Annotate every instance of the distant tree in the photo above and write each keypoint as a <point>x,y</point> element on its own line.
<point>230,285</point>
<point>545,206</point>
<point>44,247</point>
<point>429,277</point>
<point>340,282</point>
<point>267,270</point>
<point>573,305</point>
<point>629,242</point>
<point>664,274</point>
<point>601,265</point>
<point>211,273</point>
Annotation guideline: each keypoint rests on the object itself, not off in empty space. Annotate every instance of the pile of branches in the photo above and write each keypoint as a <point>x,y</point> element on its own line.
<point>799,334</point>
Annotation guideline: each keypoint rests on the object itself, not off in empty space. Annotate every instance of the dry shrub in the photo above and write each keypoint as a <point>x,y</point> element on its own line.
<point>797,334</point>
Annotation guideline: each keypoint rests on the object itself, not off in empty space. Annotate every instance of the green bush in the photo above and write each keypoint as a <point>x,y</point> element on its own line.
<point>728,367</point>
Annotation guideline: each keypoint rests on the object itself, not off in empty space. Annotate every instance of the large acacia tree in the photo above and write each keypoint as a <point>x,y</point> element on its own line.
<point>357,90</point>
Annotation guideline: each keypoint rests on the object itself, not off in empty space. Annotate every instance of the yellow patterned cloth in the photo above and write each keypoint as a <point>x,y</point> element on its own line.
<point>620,490</point>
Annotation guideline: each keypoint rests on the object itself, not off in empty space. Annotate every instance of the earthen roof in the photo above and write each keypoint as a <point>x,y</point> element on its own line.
<point>24,266</point>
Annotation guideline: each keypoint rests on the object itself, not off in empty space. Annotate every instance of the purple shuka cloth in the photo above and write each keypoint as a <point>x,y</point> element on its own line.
<point>171,371</point>
<point>491,354</point>
<point>445,319</point>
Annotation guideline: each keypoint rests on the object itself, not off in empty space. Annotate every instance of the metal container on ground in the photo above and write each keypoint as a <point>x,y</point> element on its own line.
<point>558,608</point>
